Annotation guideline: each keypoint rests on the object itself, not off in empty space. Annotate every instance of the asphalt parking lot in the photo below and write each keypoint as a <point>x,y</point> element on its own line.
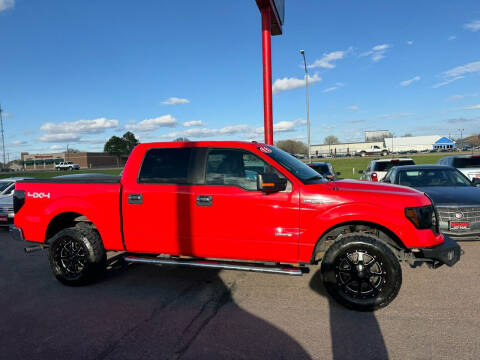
<point>152,312</point>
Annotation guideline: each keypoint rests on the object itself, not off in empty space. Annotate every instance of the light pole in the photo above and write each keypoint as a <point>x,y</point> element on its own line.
<point>306,100</point>
<point>461,137</point>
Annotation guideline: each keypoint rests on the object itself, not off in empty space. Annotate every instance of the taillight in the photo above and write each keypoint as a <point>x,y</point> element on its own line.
<point>374,177</point>
<point>18,200</point>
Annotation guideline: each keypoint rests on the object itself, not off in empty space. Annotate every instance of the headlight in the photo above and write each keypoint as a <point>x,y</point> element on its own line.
<point>423,217</point>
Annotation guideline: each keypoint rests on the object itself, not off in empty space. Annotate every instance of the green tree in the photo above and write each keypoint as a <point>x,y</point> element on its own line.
<point>115,146</point>
<point>130,141</point>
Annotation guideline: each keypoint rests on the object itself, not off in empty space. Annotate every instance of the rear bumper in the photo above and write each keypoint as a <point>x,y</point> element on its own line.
<point>16,233</point>
<point>447,253</point>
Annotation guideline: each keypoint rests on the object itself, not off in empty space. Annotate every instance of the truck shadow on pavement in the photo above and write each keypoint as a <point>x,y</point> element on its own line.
<point>185,313</point>
<point>354,334</point>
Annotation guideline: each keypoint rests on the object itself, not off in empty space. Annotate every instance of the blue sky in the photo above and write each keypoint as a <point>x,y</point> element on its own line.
<point>78,72</point>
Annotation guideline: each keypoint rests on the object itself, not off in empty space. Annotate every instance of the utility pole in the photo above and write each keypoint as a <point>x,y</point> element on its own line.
<point>307,102</point>
<point>3,138</point>
<point>461,137</point>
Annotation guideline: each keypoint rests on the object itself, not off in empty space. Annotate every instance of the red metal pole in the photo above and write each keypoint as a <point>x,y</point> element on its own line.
<point>267,75</point>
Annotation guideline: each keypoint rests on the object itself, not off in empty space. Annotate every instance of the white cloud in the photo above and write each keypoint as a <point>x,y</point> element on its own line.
<point>285,126</point>
<point>451,38</point>
<point>410,42</point>
<point>81,126</point>
<point>6,4</point>
<point>472,67</point>
<point>394,116</point>
<point>447,81</point>
<point>246,131</point>
<point>410,81</point>
<point>293,83</point>
<point>18,143</point>
<point>473,107</point>
<point>473,26</point>
<point>61,138</point>
<point>456,97</point>
<point>153,124</point>
<point>377,53</point>
<point>353,107</point>
<point>326,61</point>
<point>193,123</point>
<point>57,147</point>
<point>175,101</point>
<point>337,86</point>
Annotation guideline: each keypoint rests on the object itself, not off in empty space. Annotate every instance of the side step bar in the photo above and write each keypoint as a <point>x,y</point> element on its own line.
<point>286,270</point>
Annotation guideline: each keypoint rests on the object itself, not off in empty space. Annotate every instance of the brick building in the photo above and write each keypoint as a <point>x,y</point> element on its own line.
<point>86,160</point>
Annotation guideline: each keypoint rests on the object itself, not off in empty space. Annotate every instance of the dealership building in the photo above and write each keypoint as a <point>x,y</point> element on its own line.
<point>86,160</point>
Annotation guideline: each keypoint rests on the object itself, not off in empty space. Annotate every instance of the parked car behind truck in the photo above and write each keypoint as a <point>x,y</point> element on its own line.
<point>469,165</point>
<point>456,198</point>
<point>252,202</point>
<point>67,165</point>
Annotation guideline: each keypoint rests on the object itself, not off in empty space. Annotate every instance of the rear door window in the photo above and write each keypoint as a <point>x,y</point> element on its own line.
<point>472,162</point>
<point>166,166</point>
<point>387,165</point>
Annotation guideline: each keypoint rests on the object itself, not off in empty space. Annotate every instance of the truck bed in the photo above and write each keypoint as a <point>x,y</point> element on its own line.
<point>52,201</point>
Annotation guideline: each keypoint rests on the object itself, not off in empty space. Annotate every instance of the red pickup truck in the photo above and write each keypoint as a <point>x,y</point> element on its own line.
<point>234,205</point>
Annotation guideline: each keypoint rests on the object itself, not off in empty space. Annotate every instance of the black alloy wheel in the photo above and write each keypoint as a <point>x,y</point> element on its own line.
<point>361,272</point>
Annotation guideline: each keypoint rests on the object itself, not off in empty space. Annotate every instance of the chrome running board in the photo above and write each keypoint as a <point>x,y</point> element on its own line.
<point>256,267</point>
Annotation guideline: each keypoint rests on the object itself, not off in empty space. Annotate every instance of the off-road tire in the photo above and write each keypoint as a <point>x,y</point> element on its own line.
<point>370,287</point>
<point>77,256</point>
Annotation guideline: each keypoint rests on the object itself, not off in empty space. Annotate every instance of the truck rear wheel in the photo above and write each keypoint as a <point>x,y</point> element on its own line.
<point>77,255</point>
<point>361,272</point>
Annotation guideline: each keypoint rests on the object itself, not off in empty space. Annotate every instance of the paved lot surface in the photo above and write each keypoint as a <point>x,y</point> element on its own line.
<point>151,312</point>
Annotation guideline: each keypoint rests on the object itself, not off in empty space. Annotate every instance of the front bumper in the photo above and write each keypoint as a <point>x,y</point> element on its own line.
<point>16,233</point>
<point>447,253</point>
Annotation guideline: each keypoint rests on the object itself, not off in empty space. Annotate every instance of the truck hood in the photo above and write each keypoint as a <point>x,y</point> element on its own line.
<point>373,187</point>
<point>465,195</point>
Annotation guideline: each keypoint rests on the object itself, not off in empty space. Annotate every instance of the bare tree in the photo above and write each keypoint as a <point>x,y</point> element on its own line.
<point>331,140</point>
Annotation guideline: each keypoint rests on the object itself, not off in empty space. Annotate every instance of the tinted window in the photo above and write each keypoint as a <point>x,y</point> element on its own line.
<point>385,166</point>
<point>467,162</point>
<point>321,169</point>
<point>166,166</point>
<point>4,185</point>
<point>432,177</point>
<point>235,168</point>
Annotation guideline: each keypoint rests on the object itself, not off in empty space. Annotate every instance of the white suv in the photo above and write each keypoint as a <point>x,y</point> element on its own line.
<point>67,165</point>
<point>377,169</point>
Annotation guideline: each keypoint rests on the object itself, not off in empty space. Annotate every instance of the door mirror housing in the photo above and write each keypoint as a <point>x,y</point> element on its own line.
<point>360,171</point>
<point>270,183</point>
<point>476,182</point>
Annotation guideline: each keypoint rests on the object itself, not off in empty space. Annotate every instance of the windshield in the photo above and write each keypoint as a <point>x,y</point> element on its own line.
<point>4,185</point>
<point>470,162</point>
<point>387,165</point>
<point>298,168</point>
<point>432,177</point>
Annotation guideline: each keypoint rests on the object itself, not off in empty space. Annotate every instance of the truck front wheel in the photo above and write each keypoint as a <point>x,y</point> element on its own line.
<point>361,272</point>
<point>77,255</point>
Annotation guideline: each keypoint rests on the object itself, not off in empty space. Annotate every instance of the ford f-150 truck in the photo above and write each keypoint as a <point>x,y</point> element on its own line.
<point>234,205</point>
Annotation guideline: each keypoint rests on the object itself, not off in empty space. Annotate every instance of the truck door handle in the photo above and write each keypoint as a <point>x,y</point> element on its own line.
<point>204,200</point>
<point>135,199</point>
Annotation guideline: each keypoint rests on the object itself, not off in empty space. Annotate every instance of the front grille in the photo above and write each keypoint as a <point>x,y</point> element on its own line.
<point>469,213</point>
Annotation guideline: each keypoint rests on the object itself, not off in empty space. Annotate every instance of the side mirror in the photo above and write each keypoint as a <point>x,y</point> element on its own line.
<point>338,173</point>
<point>476,182</point>
<point>360,171</point>
<point>270,183</point>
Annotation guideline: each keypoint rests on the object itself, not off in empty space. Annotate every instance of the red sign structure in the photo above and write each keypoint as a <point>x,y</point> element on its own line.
<point>273,12</point>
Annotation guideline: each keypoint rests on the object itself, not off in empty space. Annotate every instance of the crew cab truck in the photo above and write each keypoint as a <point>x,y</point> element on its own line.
<point>372,150</point>
<point>249,206</point>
